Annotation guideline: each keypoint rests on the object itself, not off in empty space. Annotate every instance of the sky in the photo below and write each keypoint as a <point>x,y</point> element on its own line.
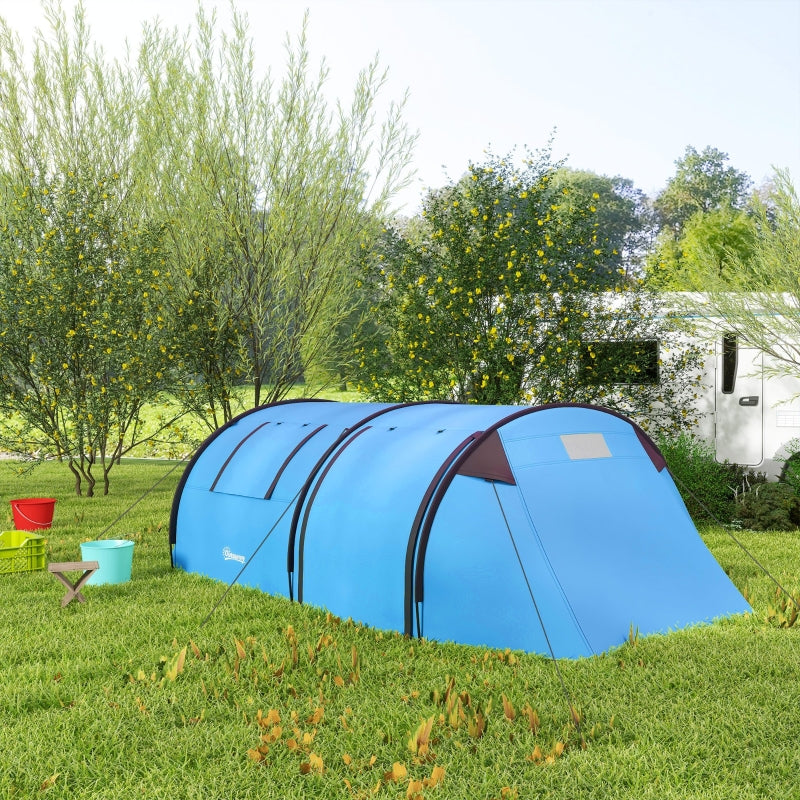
<point>623,86</point>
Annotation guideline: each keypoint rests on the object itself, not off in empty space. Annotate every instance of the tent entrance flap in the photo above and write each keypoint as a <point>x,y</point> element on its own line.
<point>475,590</point>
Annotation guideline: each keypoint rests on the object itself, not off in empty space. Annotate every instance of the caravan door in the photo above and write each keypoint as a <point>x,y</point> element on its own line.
<point>739,403</point>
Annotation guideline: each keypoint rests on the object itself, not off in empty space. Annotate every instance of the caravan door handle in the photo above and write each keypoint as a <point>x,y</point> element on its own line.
<point>749,400</point>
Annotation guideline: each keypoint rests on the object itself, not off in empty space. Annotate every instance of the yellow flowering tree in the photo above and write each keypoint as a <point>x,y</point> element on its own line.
<point>503,294</point>
<point>83,330</point>
<point>83,338</point>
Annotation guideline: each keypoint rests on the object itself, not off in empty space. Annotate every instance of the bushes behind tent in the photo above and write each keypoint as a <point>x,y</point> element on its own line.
<point>769,507</point>
<point>774,506</point>
<point>729,493</point>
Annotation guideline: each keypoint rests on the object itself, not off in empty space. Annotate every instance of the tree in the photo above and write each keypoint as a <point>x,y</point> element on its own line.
<point>503,295</point>
<point>704,209</point>
<point>82,274</point>
<point>759,298</point>
<point>702,183</point>
<point>708,242</point>
<point>276,192</point>
<point>621,211</point>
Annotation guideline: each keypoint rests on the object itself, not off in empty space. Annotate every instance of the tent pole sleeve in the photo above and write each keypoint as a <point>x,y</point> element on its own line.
<point>234,452</point>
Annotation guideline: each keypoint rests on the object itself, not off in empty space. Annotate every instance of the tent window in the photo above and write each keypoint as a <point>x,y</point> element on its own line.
<point>288,458</point>
<point>628,362</point>
<point>233,453</point>
<point>729,359</point>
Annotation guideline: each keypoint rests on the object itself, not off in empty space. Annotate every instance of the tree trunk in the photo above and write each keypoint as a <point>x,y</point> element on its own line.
<point>77,475</point>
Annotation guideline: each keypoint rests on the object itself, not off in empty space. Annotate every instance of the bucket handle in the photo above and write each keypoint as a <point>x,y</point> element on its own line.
<point>25,516</point>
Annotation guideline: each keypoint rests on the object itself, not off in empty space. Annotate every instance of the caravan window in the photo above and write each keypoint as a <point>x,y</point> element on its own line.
<point>729,359</point>
<point>632,362</point>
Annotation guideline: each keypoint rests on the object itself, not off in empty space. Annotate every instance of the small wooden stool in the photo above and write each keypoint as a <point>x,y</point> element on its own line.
<point>58,568</point>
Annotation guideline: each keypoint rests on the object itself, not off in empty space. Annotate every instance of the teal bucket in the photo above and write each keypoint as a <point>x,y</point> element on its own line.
<point>115,557</point>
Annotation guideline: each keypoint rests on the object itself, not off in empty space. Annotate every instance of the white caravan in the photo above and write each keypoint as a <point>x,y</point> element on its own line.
<point>749,415</point>
<point>747,411</point>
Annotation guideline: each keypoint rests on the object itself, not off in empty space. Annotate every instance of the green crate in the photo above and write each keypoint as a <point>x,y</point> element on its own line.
<point>21,551</point>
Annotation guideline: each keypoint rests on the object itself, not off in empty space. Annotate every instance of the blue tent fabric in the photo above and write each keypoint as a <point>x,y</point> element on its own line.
<point>551,529</point>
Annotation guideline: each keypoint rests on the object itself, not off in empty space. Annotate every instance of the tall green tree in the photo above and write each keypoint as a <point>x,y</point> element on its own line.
<point>720,241</point>
<point>502,295</point>
<point>276,190</point>
<point>710,239</point>
<point>703,182</point>
<point>704,214</point>
<point>83,344</point>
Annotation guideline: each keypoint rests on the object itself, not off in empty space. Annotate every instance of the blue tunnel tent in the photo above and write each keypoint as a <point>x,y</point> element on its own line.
<point>533,528</point>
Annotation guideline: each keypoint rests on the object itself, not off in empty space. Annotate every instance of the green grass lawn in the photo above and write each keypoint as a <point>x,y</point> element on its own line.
<point>127,696</point>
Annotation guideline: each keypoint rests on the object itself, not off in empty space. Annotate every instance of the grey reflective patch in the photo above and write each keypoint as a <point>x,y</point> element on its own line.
<point>585,445</point>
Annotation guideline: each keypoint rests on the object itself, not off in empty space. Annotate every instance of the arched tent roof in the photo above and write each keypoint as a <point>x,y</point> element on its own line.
<point>545,528</point>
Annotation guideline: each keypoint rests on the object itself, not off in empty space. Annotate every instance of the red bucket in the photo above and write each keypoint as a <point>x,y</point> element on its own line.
<point>33,514</point>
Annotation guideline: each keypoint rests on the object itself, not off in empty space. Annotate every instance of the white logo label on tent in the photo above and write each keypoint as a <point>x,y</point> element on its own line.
<point>585,445</point>
<point>229,555</point>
